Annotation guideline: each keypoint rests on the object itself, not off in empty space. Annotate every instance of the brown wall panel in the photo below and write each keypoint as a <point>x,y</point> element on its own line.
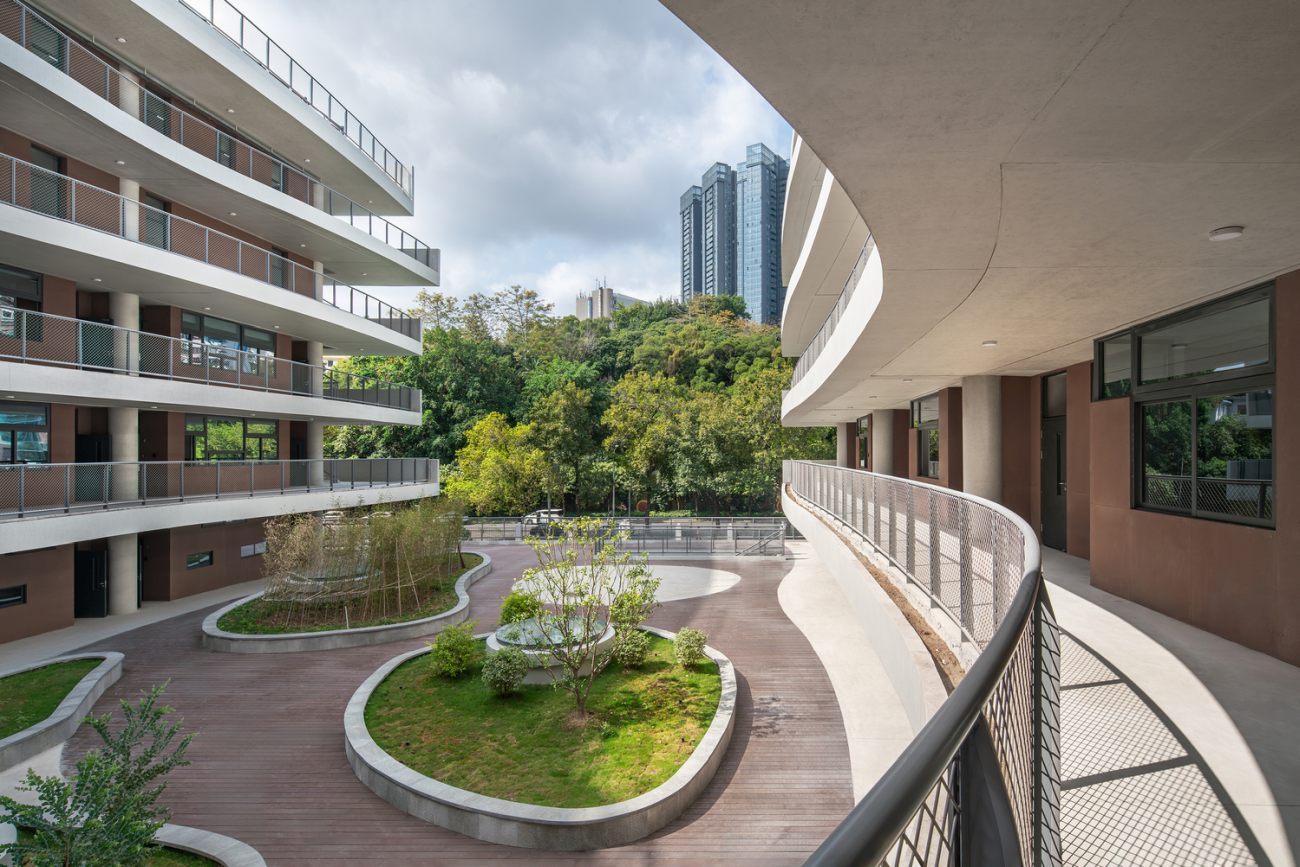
<point>1016,450</point>
<point>155,566</point>
<point>224,541</point>
<point>1078,399</point>
<point>903,457</point>
<point>48,576</point>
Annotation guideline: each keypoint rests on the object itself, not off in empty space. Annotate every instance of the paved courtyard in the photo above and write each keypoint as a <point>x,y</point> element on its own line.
<point>269,769</point>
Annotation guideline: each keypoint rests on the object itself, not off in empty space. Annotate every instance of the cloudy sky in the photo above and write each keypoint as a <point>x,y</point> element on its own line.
<point>551,138</point>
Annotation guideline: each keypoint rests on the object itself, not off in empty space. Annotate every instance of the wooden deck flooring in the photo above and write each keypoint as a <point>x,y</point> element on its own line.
<point>268,765</point>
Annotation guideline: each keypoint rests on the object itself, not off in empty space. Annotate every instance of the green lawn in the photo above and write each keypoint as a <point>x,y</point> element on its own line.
<point>160,858</point>
<point>522,748</point>
<point>29,697</point>
<point>260,617</point>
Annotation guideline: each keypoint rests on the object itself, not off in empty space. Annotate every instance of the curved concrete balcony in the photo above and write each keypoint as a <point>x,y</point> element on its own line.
<point>55,504</point>
<point>833,235</point>
<point>57,225</point>
<point>209,51</point>
<point>71,100</point>
<point>44,357</point>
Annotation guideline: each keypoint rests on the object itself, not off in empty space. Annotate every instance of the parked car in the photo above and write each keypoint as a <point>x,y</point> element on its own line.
<point>542,522</point>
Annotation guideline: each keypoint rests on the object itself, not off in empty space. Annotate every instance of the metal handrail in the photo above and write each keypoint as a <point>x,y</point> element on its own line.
<point>191,131</point>
<point>33,188</point>
<point>66,488</point>
<point>43,338</point>
<point>253,41</point>
<point>823,335</point>
<point>965,554</point>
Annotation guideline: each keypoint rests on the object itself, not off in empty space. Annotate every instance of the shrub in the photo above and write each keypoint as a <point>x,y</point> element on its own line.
<point>109,812</point>
<point>631,607</point>
<point>688,647</point>
<point>519,606</point>
<point>631,648</point>
<point>504,670</point>
<point>454,650</point>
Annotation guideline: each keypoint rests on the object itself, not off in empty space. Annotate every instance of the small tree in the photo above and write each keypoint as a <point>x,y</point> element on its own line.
<point>108,813</point>
<point>518,606</point>
<point>581,574</point>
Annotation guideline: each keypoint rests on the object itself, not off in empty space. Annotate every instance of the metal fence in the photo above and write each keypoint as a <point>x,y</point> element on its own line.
<point>43,489</point>
<point>32,188</point>
<point>38,34</point>
<point>253,41</point>
<point>823,335</point>
<point>980,783</point>
<point>1240,498</point>
<point>41,338</point>
<point>722,536</point>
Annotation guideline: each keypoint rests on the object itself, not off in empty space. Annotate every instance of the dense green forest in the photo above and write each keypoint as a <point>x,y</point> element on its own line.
<point>672,405</point>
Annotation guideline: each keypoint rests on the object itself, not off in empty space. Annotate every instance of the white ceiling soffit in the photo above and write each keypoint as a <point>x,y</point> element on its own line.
<point>1036,173</point>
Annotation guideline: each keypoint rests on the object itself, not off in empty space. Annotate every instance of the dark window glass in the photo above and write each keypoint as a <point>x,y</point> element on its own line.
<point>225,150</point>
<point>13,595</point>
<point>279,274</point>
<point>199,560</point>
<point>1054,395</point>
<point>155,225</point>
<point>925,411</point>
<point>1219,341</point>
<point>1115,363</point>
<point>28,415</point>
<point>19,290</point>
<point>1234,454</point>
<point>47,43</point>
<point>48,185</point>
<point>1167,454</point>
<point>24,433</point>
<point>155,111</point>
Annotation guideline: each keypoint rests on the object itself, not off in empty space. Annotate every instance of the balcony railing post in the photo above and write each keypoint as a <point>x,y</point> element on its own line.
<point>217,491</point>
<point>893,522</point>
<point>107,482</point>
<point>911,531</point>
<point>967,593</point>
<point>936,550</point>
<point>251,482</point>
<point>875,510</point>
<point>67,487</point>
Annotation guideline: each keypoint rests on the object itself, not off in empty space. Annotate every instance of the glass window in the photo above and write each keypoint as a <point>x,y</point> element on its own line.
<point>13,595</point>
<point>24,433</point>
<point>46,43</point>
<point>155,112</point>
<point>925,411</point>
<point>199,560</point>
<point>225,440</point>
<point>231,439</point>
<point>254,550</point>
<point>225,150</point>
<point>279,273</point>
<point>1219,341</point>
<point>1167,454</point>
<point>927,453</point>
<point>1115,367</point>
<point>48,185</point>
<point>1054,395</point>
<point>156,228</point>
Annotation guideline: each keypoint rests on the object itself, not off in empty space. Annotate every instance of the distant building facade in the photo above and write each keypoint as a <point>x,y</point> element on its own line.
<point>601,303</point>
<point>731,233</point>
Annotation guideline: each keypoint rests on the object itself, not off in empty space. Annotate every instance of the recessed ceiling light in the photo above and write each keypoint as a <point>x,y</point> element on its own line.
<point>97,280</point>
<point>153,407</point>
<point>276,327</point>
<point>989,343</point>
<point>1227,233</point>
<point>121,39</point>
<point>906,379</point>
<point>233,214</point>
<point>120,162</point>
<point>230,111</point>
<point>207,308</point>
<point>302,245</point>
<point>307,160</point>
<point>10,396</point>
<point>365,273</point>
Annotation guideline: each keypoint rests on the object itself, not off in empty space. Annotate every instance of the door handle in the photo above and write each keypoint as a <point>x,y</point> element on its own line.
<point>1060,487</point>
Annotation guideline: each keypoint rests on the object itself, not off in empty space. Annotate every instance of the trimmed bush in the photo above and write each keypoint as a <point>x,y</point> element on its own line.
<point>688,647</point>
<point>504,670</point>
<point>454,650</point>
<point>631,648</point>
<point>518,606</point>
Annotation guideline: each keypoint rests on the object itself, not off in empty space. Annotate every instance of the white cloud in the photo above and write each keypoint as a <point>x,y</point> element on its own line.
<point>551,140</point>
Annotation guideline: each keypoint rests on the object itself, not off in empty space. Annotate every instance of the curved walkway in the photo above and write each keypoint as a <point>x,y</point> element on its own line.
<point>268,765</point>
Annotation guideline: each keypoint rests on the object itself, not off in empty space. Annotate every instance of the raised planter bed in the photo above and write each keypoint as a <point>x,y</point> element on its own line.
<point>67,716</point>
<point>528,825</point>
<point>218,848</point>
<point>215,638</point>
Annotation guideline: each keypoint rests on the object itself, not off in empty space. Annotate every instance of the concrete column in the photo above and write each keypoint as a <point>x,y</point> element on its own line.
<point>319,268</point>
<point>123,569</point>
<point>316,429</point>
<point>124,428</point>
<point>981,436</point>
<point>882,441</point>
<point>130,190</point>
<point>845,443</point>
<point>124,310</point>
<point>128,95</point>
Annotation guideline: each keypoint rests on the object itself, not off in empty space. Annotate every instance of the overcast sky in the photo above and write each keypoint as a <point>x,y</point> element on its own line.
<point>551,138</point>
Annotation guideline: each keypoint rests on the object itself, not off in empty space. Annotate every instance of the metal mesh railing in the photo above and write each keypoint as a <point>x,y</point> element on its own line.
<point>253,41</point>
<point>1239,498</point>
<point>724,536</point>
<point>40,35</point>
<point>823,335</point>
<point>40,338</point>
<point>44,489</point>
<point>32,188</point>
<point>980,784</point>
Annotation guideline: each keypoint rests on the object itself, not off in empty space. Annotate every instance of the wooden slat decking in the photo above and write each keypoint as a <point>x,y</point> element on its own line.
<point>269,769</point>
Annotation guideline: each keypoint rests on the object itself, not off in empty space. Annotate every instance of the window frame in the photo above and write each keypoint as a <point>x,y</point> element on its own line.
<point>921,433</point>
<point>205,560</point>
<point>14,429</point>
<point>18,595</point>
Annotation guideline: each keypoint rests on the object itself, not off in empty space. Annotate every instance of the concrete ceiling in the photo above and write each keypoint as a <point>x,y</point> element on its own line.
<point>1035,173</point>
<point>178,48</point>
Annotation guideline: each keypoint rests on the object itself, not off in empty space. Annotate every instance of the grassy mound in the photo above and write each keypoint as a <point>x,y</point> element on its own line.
<point>262,617</point>
<point>642,725</point>
<point>31,696</point>
<point>158,858</point>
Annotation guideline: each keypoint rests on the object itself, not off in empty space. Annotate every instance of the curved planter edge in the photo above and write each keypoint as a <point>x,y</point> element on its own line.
<point>226,851</point>
<point>59,726</point>
<point>293,642</point>
<point>528,825</point>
